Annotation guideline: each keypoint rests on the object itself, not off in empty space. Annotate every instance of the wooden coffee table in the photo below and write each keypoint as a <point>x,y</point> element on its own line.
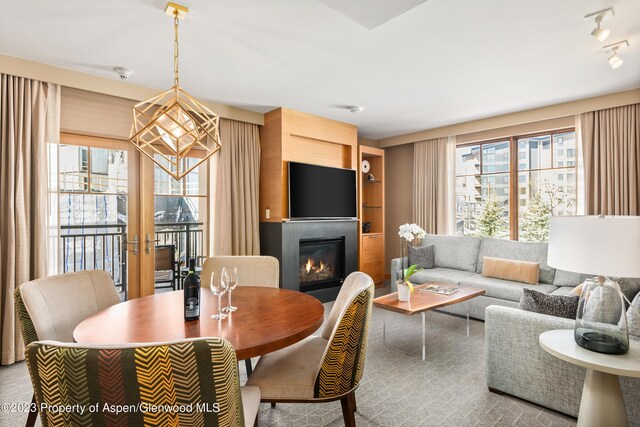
<point>421,302</point>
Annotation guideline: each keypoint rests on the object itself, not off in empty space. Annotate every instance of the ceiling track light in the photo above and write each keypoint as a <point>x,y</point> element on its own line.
<point>614,60</point>
<point>596,18</point>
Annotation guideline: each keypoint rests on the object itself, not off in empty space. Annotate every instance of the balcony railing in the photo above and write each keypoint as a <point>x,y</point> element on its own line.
<point>103,247</point>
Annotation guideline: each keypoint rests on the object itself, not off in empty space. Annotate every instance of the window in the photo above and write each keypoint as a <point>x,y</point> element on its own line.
<point>181,209</point>
<point>92,204</point>
<point>544,182</point>
<point>546,187</point>
<point>482,189</point>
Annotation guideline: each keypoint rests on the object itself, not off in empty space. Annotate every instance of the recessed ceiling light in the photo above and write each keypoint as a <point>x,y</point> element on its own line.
<point>355,108</point>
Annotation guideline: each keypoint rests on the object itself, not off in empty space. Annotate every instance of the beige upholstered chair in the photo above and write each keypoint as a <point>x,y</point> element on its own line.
<point>252,270</point>
<point>327,367</point>
<point>186,378</point>
<point>50,308</point>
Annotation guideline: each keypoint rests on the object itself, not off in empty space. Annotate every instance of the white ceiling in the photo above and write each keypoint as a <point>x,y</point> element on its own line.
<point>439,63</point>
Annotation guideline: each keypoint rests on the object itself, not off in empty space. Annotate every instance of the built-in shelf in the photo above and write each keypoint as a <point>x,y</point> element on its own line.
<point>372,214</point>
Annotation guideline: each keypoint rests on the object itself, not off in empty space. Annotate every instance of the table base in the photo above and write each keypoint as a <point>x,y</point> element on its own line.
<point>602,403</point>
<point>424,333</point>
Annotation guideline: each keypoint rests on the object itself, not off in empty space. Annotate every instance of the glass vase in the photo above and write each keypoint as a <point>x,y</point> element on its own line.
<point>601,321</point>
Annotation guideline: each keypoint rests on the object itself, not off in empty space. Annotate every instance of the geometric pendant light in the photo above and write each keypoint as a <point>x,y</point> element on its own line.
<point>173,123</point>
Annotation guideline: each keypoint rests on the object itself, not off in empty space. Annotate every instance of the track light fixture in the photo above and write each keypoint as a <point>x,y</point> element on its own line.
<point>600,34</point>
<point>596,18</point>
<point>614,60</point>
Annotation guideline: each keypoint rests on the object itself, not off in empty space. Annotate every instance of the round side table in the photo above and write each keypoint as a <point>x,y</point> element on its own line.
<point>602,403</point>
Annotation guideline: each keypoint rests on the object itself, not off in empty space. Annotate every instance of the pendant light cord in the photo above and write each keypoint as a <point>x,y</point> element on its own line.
<point>175,49</point>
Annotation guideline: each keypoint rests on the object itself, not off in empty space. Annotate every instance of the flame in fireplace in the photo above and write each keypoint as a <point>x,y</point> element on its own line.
<point>313,270</point>
<point>311,267</point>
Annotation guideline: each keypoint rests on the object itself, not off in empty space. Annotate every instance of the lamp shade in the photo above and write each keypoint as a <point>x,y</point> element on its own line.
<point>602,246</point>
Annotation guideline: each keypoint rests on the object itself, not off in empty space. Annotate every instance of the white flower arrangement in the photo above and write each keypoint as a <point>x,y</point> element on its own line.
<point>411,231</point>
<point>408,232</point>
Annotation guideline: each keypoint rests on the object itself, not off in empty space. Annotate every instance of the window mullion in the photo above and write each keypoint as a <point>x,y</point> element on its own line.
<point>513,188</point>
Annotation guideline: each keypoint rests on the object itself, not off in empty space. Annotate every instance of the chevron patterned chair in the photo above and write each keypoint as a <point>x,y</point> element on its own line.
<point>186,383</point>
<point>50,308</point>
<point>327,367</point>
<point>253,270</point>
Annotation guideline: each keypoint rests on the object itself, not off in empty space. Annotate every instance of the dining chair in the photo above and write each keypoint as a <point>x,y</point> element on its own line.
<point>328,367</point>
<point>253,270</point>
<point>190,382</point>
<point>167,269</point>
<point>51,307</point>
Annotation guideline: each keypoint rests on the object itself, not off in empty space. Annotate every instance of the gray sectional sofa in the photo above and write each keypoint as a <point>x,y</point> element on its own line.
<point>458,261</point>
<point>516,363</point>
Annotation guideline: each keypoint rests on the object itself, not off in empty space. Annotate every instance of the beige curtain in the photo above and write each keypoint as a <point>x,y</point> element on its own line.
<point>235,218</point>
<point>611,150</point>
<point>434,185</point>
<point>29,119</point>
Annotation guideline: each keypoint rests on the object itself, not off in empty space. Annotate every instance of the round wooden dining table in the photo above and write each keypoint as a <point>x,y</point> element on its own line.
<point>267,320</point>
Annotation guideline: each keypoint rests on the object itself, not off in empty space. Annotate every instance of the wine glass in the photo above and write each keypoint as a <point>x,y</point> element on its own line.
<point>230,275</point>
<point>218,288</point>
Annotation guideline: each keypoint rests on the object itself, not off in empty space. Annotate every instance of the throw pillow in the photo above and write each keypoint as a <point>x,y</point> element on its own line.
<point>633,318</point>
<point>553,305</point>
<point>578,289</point>
<point>508,269</point>
<point>423,256</point>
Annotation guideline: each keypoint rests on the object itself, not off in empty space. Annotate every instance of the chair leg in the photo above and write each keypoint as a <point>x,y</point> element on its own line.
<point>31,418</point>
<point>247,364</point>
<point>348,409</point>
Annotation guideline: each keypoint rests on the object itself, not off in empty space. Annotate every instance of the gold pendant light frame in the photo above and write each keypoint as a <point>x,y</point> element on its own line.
<point>173,123</point>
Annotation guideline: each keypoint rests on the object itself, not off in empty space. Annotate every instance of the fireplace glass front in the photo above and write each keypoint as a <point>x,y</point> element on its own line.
<point>321,263</point>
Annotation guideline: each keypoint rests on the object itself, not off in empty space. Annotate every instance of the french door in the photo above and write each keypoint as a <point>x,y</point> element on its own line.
<point>116,207</point>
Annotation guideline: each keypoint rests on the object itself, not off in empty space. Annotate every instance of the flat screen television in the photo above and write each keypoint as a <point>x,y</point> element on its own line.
<point>321,192</point>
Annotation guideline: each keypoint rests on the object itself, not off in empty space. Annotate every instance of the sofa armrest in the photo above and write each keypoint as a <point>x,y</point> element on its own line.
<point>395,267</point>
<point>518,365</point>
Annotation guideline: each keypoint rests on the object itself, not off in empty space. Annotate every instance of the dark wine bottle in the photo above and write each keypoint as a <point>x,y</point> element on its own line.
<point>192,293</point>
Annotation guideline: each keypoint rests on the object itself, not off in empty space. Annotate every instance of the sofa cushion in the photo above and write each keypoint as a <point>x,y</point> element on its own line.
<point>504,289</point>
<point>633,318</point>
<point>568,278</point>
<point>629,287</point>
<point>552,305</point>
<point>508,269</point>
<point>422,256</point>
<point>456,252</point>
<point>444,275</point>
<point>519,251</point>
<point>566,291</point>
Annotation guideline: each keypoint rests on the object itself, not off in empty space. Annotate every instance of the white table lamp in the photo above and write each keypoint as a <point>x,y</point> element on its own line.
<point>600,246</point>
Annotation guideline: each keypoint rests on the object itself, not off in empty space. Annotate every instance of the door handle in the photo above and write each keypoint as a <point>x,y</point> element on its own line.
<point>135,244</point>
<point>147,242</point>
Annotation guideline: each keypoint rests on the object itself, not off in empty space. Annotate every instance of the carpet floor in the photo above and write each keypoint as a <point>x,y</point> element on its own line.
<point>397,389</point>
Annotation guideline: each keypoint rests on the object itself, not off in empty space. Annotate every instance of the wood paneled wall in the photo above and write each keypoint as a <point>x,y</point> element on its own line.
<point>399,198</point>
<point>289,135</point>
